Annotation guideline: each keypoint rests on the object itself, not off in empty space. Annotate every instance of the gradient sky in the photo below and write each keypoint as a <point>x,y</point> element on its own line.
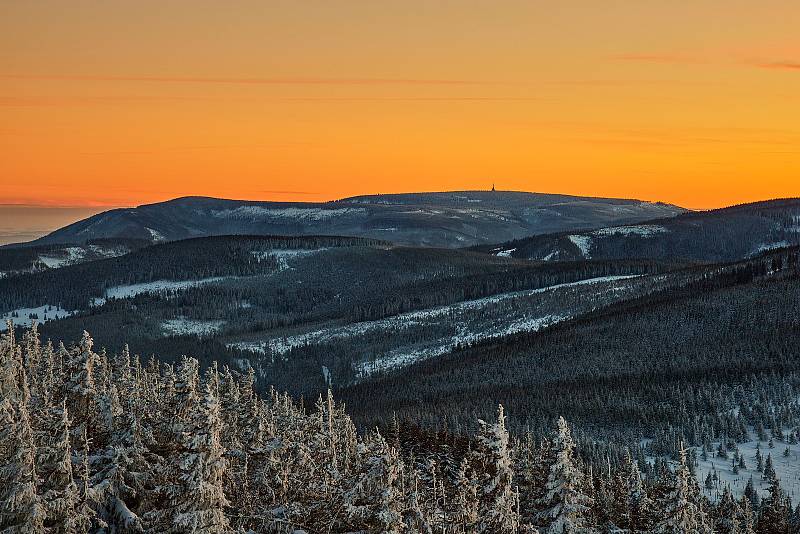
<point>109,103</point>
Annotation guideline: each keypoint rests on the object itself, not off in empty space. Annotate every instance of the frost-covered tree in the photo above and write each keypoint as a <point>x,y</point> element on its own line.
<point>498,497</point>
<point>727,514</point>
<point>465,500</point>
<point>681,510</point>
<point>197,500</point>
<point>566,504</point>
<point>21,509</point>
<point>375,502</point>
<point>775,508</point>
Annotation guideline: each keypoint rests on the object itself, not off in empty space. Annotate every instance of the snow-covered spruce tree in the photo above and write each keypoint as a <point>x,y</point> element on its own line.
<point>81,393</point>
<point>532,468</point>
<point>417,517</point>
<point>122,477</point>
<point>775,508</point>
<point>202,465</point>
<point>681,509</point>
<point>565,506</point>
<point>498,497</point>
<point>640,505</point>
<point>727,514</point>
<point>748,522</point>
<point>465,500</point>
<point>21,509</point>
<point>374,502</point>
<point>54,459</point>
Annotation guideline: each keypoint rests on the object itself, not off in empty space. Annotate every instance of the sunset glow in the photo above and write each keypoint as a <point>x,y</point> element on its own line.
<point>109,104</point>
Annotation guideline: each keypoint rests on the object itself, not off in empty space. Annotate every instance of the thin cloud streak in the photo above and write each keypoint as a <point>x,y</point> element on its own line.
<point>658,58</point>
<point>780,65</point>
<point>240,81</point>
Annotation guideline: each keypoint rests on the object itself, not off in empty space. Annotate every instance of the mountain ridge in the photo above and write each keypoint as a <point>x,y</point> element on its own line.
<point>440,219</point>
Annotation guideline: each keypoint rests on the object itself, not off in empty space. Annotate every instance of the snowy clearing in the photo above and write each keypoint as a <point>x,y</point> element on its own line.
<point>155,235</point>
<point>643,230</point>
<point>505,253</point>
<point>764,247</point>
<point>186,327</point>
<point>583,242</point>
<point>159,286</point>
<point>524,319</point>
<point>71,256</point>
<point>400,358</point>
<point>282,256</point>
<point>786,467</point>
<point>42,314</point>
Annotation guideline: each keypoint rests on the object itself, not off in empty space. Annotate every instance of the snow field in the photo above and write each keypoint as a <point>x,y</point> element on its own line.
<point>43,313</point>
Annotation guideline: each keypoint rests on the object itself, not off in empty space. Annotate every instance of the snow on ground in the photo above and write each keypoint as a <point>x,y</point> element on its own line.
<point>297,213</point>
<point>156,235</point>
<point>71,255</point>
<point>185,327</point>
<point>523,322</point>
<point>764,247</point>
<point>109,252</point>
<point>284,255</point>
<point>583,242</point>
<point>553,255</point>
<point>786,467</point>
<point>642,230</point>
<point>42,314</point>
<point>506,253</point>
<point>159,286</point>
<point>402,357</point>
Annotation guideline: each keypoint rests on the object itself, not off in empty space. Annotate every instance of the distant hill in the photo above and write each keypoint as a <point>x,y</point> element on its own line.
<point>453,219</point>
<point>727,234</point>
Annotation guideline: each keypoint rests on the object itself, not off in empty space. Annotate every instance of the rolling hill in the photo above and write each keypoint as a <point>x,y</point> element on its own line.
<point>727,234</point>
<point>452,219</point>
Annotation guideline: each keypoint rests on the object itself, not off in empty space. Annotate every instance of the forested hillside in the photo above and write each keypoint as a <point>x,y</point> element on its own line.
<point>92,442</point>
<point>726,234</point>
<point>310,312</point>
<point>448,219</point>
<point>15,261</point>
<point>713,358</point>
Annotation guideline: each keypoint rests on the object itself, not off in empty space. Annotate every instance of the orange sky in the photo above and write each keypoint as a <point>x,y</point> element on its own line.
<point>120,103</point>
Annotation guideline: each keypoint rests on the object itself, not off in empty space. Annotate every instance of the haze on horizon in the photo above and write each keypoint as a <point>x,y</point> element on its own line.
<point>115,104</point>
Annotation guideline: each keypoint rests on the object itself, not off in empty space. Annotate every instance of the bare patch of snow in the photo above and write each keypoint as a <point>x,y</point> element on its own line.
<point>26,316</point>
<point>282,256</point>
<point>786,467</point>
<point>550,257</point>
<point>506,253</point>
<point>159,286</point>
<point>71,256</point>
<point>642,230</point>
<point>764,247</point>
<point>525,321</point>
<point>186,327</point>
<point>583,242</point>
<point>156,235</point>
